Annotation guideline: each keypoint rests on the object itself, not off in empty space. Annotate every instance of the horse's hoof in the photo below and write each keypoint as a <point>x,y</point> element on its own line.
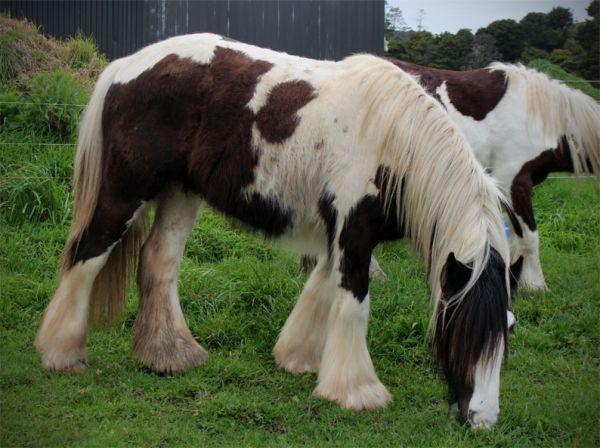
<point>170,359</point>
<point>372,395</point>
<point>67,363</point>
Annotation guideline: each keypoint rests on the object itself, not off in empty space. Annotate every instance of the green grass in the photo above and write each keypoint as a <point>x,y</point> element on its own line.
<point>237,290</point>
<point>571,80</point>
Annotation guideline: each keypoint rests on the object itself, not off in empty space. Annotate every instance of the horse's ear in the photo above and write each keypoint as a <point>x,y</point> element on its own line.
<point>455,275</point>
<point>515,274</point>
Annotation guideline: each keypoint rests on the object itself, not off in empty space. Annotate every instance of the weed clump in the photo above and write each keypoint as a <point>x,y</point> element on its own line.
<point>54,111</point>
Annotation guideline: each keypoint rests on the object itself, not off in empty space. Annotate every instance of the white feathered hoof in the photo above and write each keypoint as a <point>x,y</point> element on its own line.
<point>358,396</point>
<point>483,419</point>
<point>532,279</point>
<point>60,355</point>
<point>295,360</point>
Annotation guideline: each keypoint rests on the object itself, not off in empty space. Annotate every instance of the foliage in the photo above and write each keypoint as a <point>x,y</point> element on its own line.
<point>483,52</point>
<point>559,18</point>
<point>537,32</point>
<point>531,53</point>
<point>509,38</point>
<point>81,50</point>
<point>394,23</point>
<point>552,35</point>
<point>54,104</point>
<point>25,52</point>
<point>587,35</point>
<point>9,58</point>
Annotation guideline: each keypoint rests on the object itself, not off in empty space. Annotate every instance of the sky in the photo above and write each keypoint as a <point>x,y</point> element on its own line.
<point>452,15</point>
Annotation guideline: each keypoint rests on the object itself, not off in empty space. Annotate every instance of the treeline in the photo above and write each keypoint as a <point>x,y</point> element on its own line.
<point>552,36</point>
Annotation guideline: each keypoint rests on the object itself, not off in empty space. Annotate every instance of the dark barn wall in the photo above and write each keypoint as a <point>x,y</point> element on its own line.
<point>321,29</point>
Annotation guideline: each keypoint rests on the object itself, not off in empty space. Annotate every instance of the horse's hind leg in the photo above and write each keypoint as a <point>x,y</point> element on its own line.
<point>162,340</point>
<point>61,337</point>
<point>302,338</point>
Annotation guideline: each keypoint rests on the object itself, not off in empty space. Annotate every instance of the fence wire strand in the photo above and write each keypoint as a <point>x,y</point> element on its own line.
<point>31,103</point>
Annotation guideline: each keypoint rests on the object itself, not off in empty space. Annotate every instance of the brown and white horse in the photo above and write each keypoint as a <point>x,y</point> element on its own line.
<point>333,157</point>
<point>522,126</point>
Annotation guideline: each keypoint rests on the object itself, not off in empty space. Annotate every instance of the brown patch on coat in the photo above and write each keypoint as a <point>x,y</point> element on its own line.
<point>320,145</point>
<point>474,93</point>
<point>535,172</point>
<point>277,119</point>
<point>187,123</point>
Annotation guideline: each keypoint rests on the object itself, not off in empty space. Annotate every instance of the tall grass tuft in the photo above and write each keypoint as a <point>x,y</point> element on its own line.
<point>30,193</point>
<point>54,112</point>
<point>9,58</point>
<point>81,50</point>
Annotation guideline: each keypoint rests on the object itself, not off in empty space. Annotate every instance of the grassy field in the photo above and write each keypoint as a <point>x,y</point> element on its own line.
<point>236,292</point>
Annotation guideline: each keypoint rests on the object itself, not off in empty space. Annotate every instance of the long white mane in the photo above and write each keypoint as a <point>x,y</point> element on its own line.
<point>446,201</point>
<point>561,111</point>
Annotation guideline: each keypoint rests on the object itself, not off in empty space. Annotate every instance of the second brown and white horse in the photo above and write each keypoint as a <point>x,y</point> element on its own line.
<point>521,126</point>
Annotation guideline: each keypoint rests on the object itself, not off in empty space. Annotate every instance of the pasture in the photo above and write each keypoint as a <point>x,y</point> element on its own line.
<point>237,290</point>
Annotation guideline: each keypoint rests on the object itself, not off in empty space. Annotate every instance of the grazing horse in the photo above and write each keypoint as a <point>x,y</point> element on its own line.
<point>522,126</point>
<point>330,156</point>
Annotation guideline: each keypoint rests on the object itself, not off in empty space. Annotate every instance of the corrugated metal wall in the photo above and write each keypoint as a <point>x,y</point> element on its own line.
<point>322,29</point>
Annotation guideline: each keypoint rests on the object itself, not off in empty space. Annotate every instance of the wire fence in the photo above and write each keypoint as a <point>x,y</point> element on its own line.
<point>30,103</point>
<point>76,105</point>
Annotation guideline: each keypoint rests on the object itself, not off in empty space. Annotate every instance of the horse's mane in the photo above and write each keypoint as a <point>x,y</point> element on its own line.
<point>561,111</point>
<point>445,200</point>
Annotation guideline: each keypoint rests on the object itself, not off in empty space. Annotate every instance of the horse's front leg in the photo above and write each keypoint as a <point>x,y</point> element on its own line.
<point>346,372</point>
<point>302,338</point>
<point>524,239</point>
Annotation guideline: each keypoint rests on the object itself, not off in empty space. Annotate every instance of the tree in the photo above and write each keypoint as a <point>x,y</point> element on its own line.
<point>507,36</point>
<point>559,18</point>
<point>394,22</point>
<point>564,58</point>
<point>483,52</point>
<point>537,32</point>
<point>593,9</point>
<point>418,48</point>
<point>587,34</point>
<point>451,50</point>
<point>531,53</point>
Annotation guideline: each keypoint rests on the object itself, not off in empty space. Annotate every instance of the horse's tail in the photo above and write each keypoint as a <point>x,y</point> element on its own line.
<point>111,284</point>
<point>561,111</point>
